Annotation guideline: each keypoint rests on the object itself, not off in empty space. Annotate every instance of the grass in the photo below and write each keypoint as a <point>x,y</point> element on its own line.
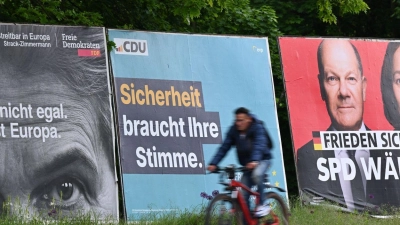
<point>300,215</point>
<point>178,218</point>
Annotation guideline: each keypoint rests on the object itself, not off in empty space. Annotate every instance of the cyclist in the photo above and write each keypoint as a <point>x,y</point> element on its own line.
<point>250,138</point>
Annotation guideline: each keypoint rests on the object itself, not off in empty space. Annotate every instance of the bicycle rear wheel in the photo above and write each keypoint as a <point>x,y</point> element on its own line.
<point>279,214</point>
<point>223,210</point>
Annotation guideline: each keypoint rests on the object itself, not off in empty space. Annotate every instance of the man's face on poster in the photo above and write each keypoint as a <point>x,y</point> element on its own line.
<point>71,173</point>
<point>343,84</point>
<point>396,76</point>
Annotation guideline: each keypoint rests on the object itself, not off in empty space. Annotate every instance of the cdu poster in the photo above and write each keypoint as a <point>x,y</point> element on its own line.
<point>56,131</point>
<point>175,98</point>
<point>343,100</point>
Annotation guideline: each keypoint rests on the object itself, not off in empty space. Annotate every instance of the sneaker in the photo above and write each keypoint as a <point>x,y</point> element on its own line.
<point>262,210</point>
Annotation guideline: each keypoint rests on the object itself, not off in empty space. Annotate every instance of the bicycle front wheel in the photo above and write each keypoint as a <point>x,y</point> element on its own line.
<point>279,214</point>
<point>223,210</point>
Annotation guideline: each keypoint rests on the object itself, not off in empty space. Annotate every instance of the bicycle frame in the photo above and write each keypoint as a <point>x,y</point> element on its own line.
<point>237,194</point>
<point>236,188</point>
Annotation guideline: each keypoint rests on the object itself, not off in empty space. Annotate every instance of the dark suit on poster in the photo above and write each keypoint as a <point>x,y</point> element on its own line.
<point>379,193</point>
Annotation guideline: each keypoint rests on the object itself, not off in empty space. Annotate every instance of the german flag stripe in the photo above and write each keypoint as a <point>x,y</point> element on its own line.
<point>316,134</point>
<point>317,147</point>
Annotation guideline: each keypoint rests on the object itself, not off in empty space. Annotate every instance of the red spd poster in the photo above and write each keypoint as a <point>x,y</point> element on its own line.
<point>343,99</point>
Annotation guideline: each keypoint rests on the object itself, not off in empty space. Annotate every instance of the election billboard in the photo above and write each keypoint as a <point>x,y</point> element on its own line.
<point>56,123</point>
<point>343,103</point>
<point>175,99</point>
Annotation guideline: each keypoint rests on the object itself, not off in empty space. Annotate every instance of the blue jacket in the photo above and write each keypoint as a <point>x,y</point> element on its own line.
<point>251,147</point>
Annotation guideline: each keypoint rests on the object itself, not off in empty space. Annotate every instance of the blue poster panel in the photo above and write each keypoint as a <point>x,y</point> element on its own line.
<point>175,98</point>
<point>56,131</point>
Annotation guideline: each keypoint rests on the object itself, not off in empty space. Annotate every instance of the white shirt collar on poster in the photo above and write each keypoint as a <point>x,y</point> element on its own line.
<point>345,184</point>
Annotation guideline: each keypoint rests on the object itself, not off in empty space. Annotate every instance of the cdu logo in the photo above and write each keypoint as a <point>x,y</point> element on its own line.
<point>131,47</point>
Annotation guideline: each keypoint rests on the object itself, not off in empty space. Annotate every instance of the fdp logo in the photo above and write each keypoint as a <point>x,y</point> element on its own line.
<point>131,47</point>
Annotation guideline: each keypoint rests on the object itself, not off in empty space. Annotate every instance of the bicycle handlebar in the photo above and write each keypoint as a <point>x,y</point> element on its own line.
<point>231,169</point>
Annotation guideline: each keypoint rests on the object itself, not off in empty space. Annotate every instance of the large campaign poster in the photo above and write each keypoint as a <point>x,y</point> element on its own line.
<point>343,101</point>
<point>175,98</point>
<point>56,124</point>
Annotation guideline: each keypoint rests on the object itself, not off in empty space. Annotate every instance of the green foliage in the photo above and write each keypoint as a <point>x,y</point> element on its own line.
<point>192,9</point>
<point>396,9</point>
<point>325,8</point>
<point>244,21</point>
<point>110,44</point>
<point>47,12</point>
<point>325,11</point>
<point>189,9</point>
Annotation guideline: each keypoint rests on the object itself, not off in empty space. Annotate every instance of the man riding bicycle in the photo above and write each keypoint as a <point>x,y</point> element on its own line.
<point>252,148</point>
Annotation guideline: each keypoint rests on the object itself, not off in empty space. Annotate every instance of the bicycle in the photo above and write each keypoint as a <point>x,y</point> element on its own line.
<point>230,208</point>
